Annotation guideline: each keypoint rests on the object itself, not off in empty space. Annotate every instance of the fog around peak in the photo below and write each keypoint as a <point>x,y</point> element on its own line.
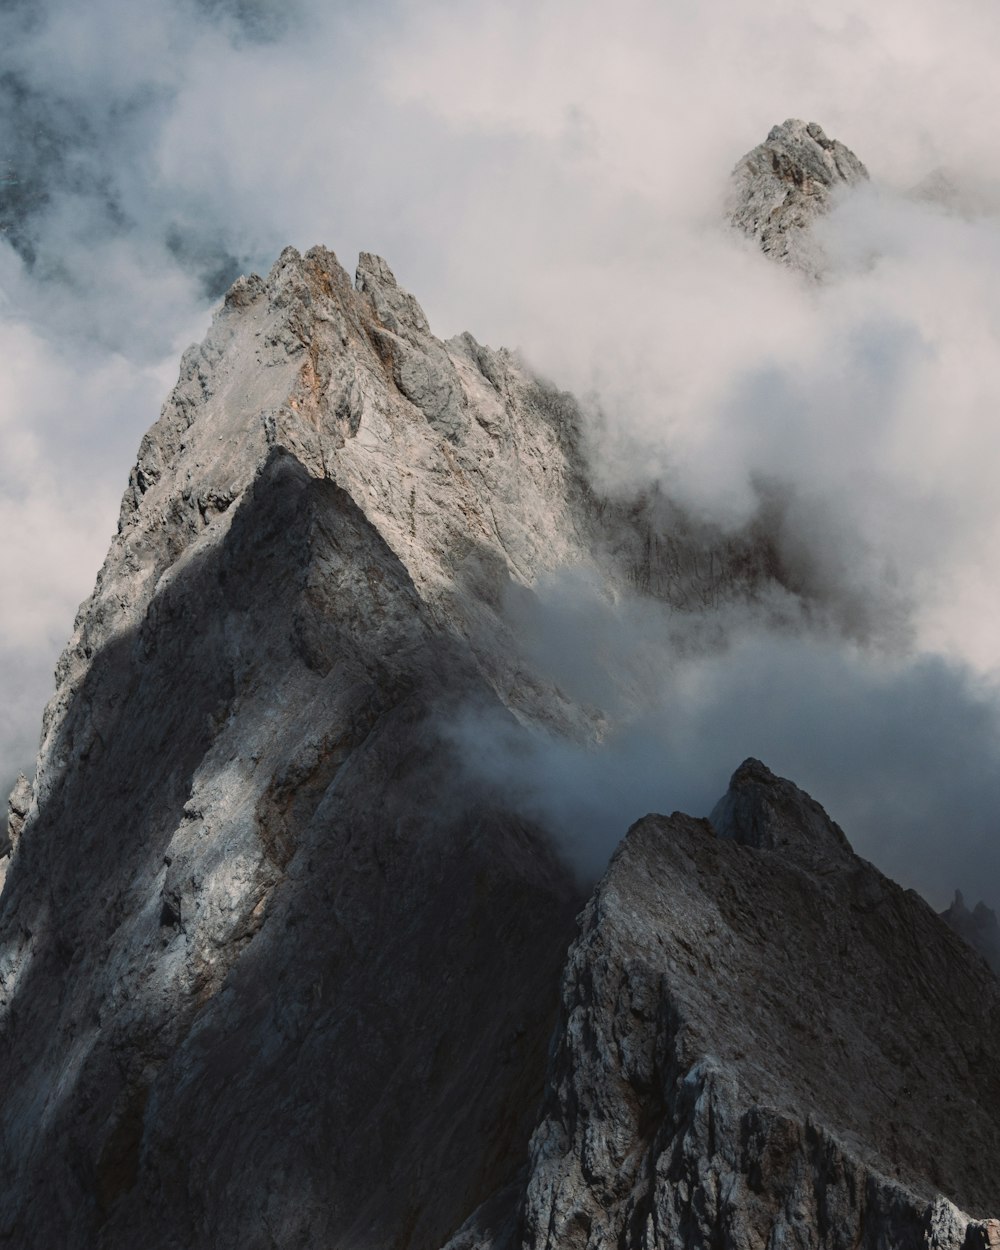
<point>552,178</point>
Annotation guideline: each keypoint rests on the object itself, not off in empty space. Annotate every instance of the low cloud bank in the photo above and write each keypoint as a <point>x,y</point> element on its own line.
<point>904,754</point>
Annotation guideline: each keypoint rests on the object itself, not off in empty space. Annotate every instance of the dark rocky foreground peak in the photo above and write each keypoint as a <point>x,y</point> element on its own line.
<point>274,973</point>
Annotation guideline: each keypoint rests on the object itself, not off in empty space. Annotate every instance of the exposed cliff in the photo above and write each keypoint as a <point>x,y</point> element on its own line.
<point>762,1041</point>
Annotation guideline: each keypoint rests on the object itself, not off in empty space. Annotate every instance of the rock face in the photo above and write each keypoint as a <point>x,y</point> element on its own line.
<point>269,972</point>
<point>782,186</point>
<point>979,927</point>
<point>268,977</point>
<point>763,1041</point>
<point>273,975</point>
<point>18,805</point>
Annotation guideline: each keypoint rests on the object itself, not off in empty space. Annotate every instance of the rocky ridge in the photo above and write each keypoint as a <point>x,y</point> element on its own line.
<point>743,1056</point>
<point>272,974</point>
<point>244,847</point>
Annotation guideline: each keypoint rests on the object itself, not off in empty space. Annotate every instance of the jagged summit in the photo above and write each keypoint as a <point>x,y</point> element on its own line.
<point>748,1053</point>
<point>397,309</point>
<point>780,188</point>
<point>769,813</point>
<point>978,926</point>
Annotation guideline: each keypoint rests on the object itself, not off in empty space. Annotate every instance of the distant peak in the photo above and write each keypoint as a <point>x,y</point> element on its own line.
<point>800,155</point>
<point>780,187</point>
<point>794,129</point>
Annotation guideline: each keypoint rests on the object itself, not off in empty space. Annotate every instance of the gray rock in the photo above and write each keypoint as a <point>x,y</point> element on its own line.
<point>18,806</point>
<point>768,813</point>
<point>763,1041</point>
<point>779,189</point>
<point>269,971</point>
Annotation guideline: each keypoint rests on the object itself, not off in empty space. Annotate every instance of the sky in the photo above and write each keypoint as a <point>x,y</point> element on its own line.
<point>550,177</point>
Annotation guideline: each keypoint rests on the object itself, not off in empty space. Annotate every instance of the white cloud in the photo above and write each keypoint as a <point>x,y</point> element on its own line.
<point>903,752</point>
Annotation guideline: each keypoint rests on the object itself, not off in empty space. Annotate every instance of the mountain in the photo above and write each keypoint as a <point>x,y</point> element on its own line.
<point>276,971</point>
<point>979,927</point>
<point>780,188</point>
<point>256,912</point>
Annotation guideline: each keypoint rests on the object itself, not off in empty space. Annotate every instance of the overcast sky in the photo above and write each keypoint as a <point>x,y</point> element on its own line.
<point>549,176</point>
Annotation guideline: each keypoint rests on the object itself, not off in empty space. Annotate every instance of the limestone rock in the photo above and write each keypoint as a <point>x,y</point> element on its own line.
<point>750,1051</point>
<point>270,972</point>
<point>781,187</point>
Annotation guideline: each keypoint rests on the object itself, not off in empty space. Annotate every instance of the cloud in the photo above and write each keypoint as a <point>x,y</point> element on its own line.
<point>550,177</point>
<point>904,754</point>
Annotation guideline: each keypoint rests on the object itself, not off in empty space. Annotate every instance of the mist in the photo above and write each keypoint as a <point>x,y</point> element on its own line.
<point>551,178</point>
<point>904,753</point>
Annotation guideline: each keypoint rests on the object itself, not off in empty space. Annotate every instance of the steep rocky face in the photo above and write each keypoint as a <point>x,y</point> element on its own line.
<point>268,975</point>
<point>762,1041</point>
<point>259,944</point>
<point>18,805</point>
<point>782,186</point>
<point>979,927</point>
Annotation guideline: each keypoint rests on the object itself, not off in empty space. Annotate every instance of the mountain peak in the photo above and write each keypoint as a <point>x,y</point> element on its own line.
<point>397,309</point>
<point>743,1055</point>
<point>275,971</point>
<point>766,812</point>
<point>780,187</point>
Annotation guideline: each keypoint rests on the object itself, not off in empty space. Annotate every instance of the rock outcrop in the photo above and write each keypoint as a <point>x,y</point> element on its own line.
<point>273,973</point>
<point>762,1042</point>
<point>781,187</point>
<point>18,805</point>
<point>979,927</point>
<point>269,970</point>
